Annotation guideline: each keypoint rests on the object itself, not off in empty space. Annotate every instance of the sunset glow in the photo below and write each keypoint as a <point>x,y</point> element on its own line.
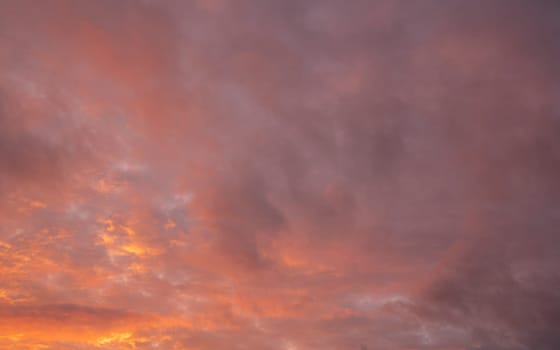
<point>279,175</point>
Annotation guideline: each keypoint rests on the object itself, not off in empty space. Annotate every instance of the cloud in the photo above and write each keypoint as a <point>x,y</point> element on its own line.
<point>279,175</point>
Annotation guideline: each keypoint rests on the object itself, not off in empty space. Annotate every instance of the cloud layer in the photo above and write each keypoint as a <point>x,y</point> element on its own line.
<point>283,175</point>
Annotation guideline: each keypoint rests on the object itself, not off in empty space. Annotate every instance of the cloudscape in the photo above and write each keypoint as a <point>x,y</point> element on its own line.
<point>279,174</point>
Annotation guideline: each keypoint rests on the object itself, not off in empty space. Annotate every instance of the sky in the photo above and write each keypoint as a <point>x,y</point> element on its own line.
<point>279,175</point>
